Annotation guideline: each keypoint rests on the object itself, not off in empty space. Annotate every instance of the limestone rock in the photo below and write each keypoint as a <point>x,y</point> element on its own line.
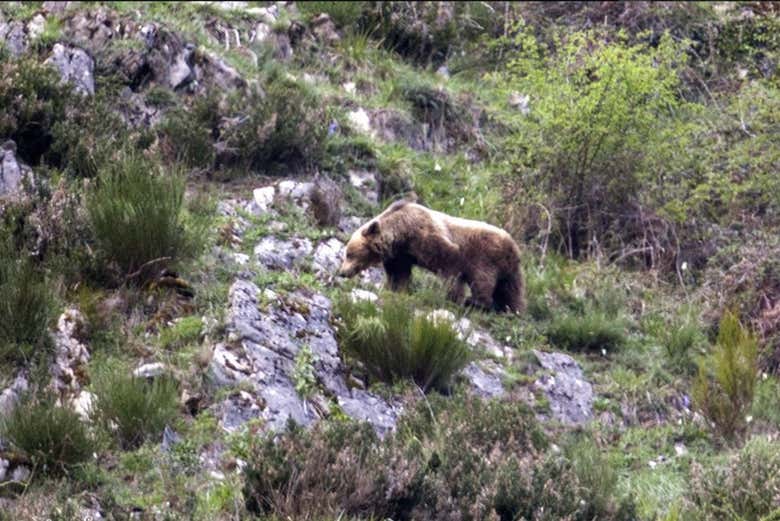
<point>75,66</point>
<point>569,394</point>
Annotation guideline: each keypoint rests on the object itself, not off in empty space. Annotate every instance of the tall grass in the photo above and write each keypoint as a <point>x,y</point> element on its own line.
<point>53,437</point>
<point>394,342</point>
<point>591,331</point>
<point>26,305</point>
<point>132,409</point>
<point>136,212</point>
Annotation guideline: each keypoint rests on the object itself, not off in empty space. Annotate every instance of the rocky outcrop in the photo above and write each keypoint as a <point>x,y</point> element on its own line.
<point>75,66</point>
<point>563,383</point>
<point>12,171</point>
<point>69,369</point>
<point>266,349</point>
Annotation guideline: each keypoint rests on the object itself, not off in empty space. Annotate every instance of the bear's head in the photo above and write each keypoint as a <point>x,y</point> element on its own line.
<point>363,250</point>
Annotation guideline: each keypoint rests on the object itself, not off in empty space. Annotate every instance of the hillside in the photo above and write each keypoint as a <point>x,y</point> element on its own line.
<point>178,182</point>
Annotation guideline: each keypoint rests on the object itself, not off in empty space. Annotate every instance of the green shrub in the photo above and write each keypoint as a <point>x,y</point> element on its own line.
<point>54,437</point>
<point>90,137</point>
<point>767,396</point>
<point>286,128</point>
<point>743,487</point>
<point>449,458</point>
<point>132,409</point>
<point>190,132</point>
<point>592,331</point>
<point>680,338</point>
<point>33,101</point>
<point>26,305</point>
<point>599,112</point>
<point>724,388</point>
<point>136,213</point>
<point>343,14</point>
<point>395,342</point>
<point>184,331</point>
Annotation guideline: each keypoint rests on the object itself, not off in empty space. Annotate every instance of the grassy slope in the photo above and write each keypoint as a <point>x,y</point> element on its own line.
<point>638,382</point>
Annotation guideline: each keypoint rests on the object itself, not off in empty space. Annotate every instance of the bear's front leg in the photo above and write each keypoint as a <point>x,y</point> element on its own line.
<point>482,287</point>
<point>399,273</point>
<point>456,289</point>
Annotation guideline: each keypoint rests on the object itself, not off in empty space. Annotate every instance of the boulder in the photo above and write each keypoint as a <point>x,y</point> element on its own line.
<point>11,170</point>
<point>268,345</point>
<point>569,394</point>
<point>14,36</point>
<point>75,66</point>
<point>281,254</point>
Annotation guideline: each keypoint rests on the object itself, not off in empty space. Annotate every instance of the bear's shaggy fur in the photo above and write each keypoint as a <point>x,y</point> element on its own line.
<point>463,251</point>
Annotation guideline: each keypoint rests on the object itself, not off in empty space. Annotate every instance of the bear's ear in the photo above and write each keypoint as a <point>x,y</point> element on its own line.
<point>372,229</point>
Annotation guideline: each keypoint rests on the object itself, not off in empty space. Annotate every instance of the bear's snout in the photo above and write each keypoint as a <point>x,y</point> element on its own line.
<point>347,270</point>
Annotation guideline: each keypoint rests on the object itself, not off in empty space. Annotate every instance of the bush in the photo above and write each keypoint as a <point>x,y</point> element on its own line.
<point>396,342</point>
<point>767,396</point>
<point>90,136</point>
<point>343,14</point>
<point>599,113</point>
<point>743,487</point>
<point>136,213</point>
<point>130,408</point>
<point>54,437</point>
<point>449,458</point>
<point>679,340</point>
<point>184,331</point>
<point>592,331</point>
<point>33,101</point>
<point>724,388</point>
<point>285,127</point>
<point>26,305</point>
<point>190,133</point>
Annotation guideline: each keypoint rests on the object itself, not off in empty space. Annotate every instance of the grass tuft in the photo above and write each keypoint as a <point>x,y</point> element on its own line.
<point>394,342</point>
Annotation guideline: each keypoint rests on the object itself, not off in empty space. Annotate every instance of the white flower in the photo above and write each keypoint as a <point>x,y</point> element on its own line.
<point>462,200</point>
<point>437,167</point>
<point>603,352</point>
<point>684,266</point>
<point>748,418</point>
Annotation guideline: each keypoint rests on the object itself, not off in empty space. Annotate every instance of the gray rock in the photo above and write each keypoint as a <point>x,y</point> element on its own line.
<point>297,192</point>
<point>180,73</point>
<point>569,394</point>
<point>11,169</point>
<point>69,368</point>
<point>11,394</point>
<point>270,342</point>
<point>327,257</point>
<point>262,200</point>
<point>364,406</point>
<point>21,474</point>
<point>366,183</point>
<point>75,66</point>
<point>15,37</point>
<point>485,378</point>
<point>36,26</point>
<point>350,224</point>
<point>358,294</point>
<point>150,371</point>
<point>278,254</point>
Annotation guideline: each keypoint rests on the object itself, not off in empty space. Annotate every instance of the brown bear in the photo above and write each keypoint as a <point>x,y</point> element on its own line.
<point>463,251</point>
